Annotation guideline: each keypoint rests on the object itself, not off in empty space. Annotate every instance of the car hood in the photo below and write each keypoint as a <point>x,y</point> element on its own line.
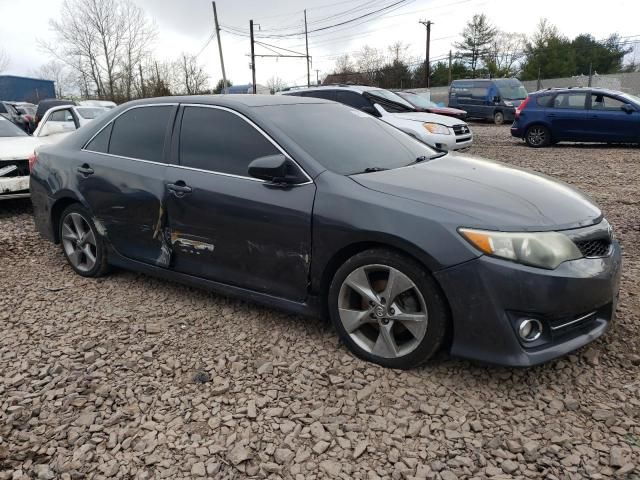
<point>17,148</point>
<point>488,194</point>
<point>427,117</point>
<point>447,111</point>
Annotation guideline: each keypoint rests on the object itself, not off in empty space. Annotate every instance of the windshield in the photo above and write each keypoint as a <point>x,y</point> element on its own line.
<point>631,98</point>
<point>512,92</point>
<point>90,113</point>
<point>419,100</point>
<point>8,129</point>
<point>390,96</point>
<point>344,140</point>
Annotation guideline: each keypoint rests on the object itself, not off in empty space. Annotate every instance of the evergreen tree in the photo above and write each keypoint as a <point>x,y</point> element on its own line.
<point>477,38</point>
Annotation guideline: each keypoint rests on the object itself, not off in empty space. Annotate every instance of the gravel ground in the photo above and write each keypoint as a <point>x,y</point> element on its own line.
<point>131,377</point>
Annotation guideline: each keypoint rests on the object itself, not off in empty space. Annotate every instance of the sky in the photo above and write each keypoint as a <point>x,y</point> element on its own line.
<point>186,25</point>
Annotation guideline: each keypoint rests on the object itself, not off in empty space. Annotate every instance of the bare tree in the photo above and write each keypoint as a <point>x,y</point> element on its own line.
<point>398,52</point>
<point>56,71</point>
<point>275,84</point>
<point>4,60</point>
<point>505,53</point>
<point>192,77</point>
<point>369,61</point>
<point>344,65</point>
<point>104,42</point>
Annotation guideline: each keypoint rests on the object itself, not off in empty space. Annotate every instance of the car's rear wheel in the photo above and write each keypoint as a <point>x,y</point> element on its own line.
<point>538,136</point>
<point>498,118</point>
<point>82,246</point>
<point>387,309</point>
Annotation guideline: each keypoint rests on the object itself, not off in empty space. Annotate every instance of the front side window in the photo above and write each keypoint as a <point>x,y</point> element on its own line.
<point>220,141</point>
<point>605,102</point>
<point>61,116</point>
<point>140,133</point>
<point>574,101</point>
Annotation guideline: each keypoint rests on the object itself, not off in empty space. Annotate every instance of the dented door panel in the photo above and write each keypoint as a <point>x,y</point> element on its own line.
<point>241,232</point>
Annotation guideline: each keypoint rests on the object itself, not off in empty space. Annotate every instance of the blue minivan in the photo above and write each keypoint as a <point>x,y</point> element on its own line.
<point>493,99</point>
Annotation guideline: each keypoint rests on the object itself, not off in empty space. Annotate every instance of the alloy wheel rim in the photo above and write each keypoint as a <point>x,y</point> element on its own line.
<point>536,136</point>
<point>79,242</point>
<point>382,311</point>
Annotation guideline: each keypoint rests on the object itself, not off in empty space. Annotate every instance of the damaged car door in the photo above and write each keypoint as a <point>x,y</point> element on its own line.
<point>121,175</point>
<point>227,226</point>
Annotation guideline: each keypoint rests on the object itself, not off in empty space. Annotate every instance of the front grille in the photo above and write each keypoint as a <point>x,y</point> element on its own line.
<point>461,129</point>
<point>21,171</point>
<point>594,248</point>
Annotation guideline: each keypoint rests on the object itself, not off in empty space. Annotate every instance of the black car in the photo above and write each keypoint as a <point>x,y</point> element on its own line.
<point>319,208</point>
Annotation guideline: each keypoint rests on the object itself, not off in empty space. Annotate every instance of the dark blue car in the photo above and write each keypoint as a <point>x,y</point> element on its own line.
<point>578,115</point>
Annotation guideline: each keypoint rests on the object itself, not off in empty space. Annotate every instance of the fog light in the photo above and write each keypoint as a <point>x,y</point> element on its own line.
<point>530,329</point>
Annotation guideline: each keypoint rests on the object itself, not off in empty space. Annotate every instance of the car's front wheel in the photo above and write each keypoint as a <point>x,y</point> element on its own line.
<point>82,246</point>
<point>387,309</point>
<point>538,136</point>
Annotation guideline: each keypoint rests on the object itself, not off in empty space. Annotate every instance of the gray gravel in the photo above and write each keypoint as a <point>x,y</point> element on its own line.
<point>132,377</point>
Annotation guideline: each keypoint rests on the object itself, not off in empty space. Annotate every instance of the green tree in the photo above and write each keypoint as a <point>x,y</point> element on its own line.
<point>604,57</point>
<point>440,73</point>
<point>477,37</point>
<point>549,53</point>
<point>220,86</point>
<point>395,74</point>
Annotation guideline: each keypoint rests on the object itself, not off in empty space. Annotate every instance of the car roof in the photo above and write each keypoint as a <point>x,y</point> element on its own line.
<point>340,86</point>
<point>553,90</point>
<point>230,100</point>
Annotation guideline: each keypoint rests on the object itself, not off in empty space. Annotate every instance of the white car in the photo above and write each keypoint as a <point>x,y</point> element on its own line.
<point>16,147</point>
<point>439,131</point>
<point>98,103</point>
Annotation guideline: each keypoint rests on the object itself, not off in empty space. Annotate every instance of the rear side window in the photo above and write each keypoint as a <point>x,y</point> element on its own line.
<point>352,99</point>
<point>220,141</point>
<point>571,100</point>
<point>100,142</point>
<point>140,133</point>
<point>544,100</point>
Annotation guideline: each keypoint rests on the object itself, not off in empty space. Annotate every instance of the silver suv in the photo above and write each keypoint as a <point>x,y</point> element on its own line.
<point>439,131</point>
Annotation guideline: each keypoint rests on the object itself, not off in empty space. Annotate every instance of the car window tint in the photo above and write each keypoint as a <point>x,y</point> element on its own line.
<point>220,141</point>
<point>100,142</point>
<point>2,108</point>
<point>605,102</point>
<point>352,99</point>
<point>140,133</point>
<point>326,94</point>
<point>544,100</point>
<point>570,100</point>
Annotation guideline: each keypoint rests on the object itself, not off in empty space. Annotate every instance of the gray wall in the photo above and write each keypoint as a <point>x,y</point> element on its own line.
<point>625,82</point>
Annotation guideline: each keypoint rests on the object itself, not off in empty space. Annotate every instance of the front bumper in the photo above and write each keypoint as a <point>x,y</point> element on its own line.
<point>449,142</point>
<point>14,187</point>
<point>575,304</point>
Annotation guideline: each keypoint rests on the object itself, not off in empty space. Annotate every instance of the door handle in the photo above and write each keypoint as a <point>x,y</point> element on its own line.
<point>179,189</point>
<point>85,170</point>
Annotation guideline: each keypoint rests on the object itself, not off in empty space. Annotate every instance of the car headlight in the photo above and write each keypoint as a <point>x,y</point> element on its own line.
<point>508,104</point>
<point>436,128</point>
<point>539,249</point>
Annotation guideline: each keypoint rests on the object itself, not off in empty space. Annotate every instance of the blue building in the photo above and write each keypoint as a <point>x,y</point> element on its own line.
<point>25,89</point>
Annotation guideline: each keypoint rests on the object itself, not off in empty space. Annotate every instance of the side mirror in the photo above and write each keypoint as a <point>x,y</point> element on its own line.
<point>371,111</point>
<point>272,168</point>
<point>627,108</point>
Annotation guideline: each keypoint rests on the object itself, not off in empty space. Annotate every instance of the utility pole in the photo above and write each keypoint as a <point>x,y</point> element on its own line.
<point>306,41</point>
<point>590,73</point>
<point>142,89</point>
<point>253,57</point>
<point>450,61</point>
<point>224,75</point>
<point>427,64</point>
<point>317,77</point>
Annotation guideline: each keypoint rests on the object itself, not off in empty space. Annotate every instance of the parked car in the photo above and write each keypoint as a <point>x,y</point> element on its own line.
<point>65,119</point>
<point>98,103</point>
<point>423,104</point>
<point>495,99</point>
<point>48,103</point>
<point>16,146</point>
<point>438,131</point>
<point>9,112</point>
<point>578,115</point>
<point>315,207</point>
<point>27,112</point>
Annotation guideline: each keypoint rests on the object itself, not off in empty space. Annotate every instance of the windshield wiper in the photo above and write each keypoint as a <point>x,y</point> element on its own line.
<point>371,170</point>
<point>424,158</point>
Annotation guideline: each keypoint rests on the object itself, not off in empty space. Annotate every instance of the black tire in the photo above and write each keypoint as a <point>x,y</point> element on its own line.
<point>498,118</point>
<point>538,136</point>
<point>436,308</point>
<point>100,266</point>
